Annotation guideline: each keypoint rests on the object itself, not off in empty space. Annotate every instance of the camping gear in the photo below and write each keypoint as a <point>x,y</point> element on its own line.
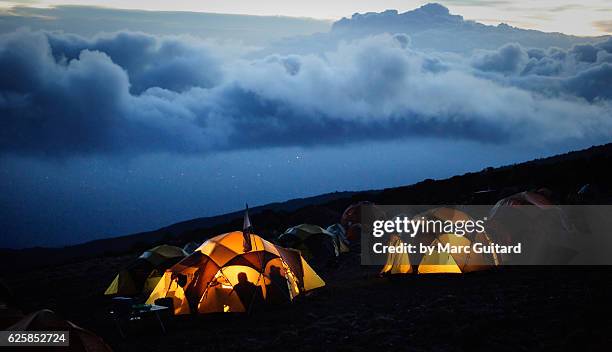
<point>141,276</point>
<point>316,244</point>
<point>440,262</point>
<point>221,277</point>
<point>123,310</point>
<point>45,320</point>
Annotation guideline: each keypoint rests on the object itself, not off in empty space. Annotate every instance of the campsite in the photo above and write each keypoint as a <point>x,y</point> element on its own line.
<point>373,175</point>
<point>351,307</point>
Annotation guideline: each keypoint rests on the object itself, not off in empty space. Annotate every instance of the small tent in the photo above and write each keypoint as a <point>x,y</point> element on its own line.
<point>316,244</point>
<point>340,233</point>
<point>439,261</point>
<point>141,276</point>
<point>80,340</point>
<point>220,276</point>
<point>351,219</point>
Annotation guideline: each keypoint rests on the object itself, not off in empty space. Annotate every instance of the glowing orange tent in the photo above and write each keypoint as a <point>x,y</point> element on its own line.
<point>216,276</point>
<point>440,262</point>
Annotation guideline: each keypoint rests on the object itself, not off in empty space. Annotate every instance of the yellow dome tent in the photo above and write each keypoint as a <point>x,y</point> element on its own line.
<point>142,275</point>
<point>214,278</point>
<point>440,262</point>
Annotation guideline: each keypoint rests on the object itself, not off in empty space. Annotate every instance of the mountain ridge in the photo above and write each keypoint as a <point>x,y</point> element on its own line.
<point>432,27</point>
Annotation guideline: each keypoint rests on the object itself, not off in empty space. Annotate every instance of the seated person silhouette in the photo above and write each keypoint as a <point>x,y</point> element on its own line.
<point>249,294</point>
<point>277,291</point>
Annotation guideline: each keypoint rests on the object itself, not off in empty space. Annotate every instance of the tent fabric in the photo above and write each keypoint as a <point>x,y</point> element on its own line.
<point>439,262</point>
<point>351,218</point>
<point>316,244</point>
<point>142,275</point>
<point>533,219</point>
<point>190,247</point>
<point>352,214</point>
<point>46,320</point>
<point>523,198</point>
<point>160,254</point>
<point>208,281</point>
<point>340,233</point>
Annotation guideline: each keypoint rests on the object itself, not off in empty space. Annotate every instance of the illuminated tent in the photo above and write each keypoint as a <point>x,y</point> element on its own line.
<point>532,219</point>
<point>440,262</point>
<point>141,276</point>
<point>316,244</point>
<point>208,280</point>
<point>79,339</point>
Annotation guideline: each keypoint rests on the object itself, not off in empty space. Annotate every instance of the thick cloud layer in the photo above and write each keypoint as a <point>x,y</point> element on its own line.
<point>128,92</point>
<point>585,71</point>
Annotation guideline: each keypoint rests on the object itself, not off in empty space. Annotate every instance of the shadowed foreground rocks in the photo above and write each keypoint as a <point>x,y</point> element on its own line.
<point>510,309</point>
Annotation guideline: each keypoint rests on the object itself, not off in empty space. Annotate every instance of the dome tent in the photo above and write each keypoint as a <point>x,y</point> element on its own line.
<point>440,262</point>
<point>316,244</point>
<point>211,280</point>
<point>340,234</point>
<point>533,219</point>
<point>351,219</point>
<point>142,275</point>
<point>80,340</point>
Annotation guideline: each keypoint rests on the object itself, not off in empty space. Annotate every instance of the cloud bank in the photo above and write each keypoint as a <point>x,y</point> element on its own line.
<point>127,92</point>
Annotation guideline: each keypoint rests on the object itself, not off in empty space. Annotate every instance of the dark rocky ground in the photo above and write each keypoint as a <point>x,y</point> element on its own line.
<point>509,309</point>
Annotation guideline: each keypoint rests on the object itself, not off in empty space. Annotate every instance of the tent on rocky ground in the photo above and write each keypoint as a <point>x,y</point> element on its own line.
<point>439,261</point>
<point>9,311</point>
<point>340,233</point>
<point>533,219</point>
<point>351,219</point>
<point>316,244</point>
<point>221,276</point>
<point>79,339</point>
<point>141,276</point>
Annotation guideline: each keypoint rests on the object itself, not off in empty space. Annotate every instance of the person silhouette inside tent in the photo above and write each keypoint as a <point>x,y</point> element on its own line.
<point>249,294</point>
<point>277,291</point>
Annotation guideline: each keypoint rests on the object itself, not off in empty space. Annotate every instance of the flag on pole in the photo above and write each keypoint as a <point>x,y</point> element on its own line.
<point>246,231</point>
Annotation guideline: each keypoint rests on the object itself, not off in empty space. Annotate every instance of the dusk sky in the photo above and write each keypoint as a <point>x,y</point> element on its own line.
<point>118,121</point>
<point>565,16</point>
